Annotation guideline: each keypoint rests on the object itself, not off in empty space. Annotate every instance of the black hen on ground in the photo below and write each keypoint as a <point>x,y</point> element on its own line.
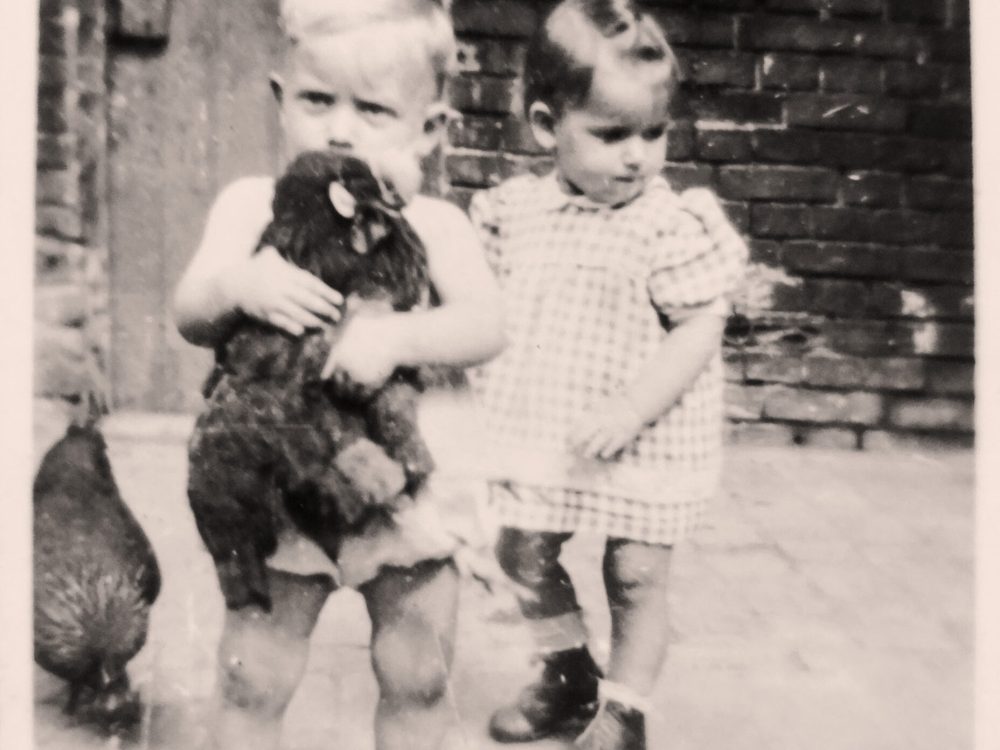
<point>279,447</point>
<point>95,578</point>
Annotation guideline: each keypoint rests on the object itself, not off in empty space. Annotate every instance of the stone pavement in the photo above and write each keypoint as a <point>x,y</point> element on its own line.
<point>829,607</point>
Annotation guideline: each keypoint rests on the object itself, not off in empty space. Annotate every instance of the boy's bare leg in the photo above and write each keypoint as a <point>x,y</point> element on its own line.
<point>413,614</point>
<point>262,657</point>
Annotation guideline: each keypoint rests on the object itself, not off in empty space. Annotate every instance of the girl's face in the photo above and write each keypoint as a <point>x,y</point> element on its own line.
<point>611,147</point>
<point>363,102</point>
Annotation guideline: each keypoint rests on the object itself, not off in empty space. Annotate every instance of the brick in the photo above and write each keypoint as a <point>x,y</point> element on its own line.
<point>778,183</point>
<point>950,378</point>
<point>781,221</point>
<point>879,226</point>
<point>958,82</point>
<point>843,259</point>
<point>925,11</point>
<point>744,402</point>
<point>57,261</point>
<point>723,145</point>
<point>738,214</point>
<point>61,188</point>
<point>786,146</point>
<point>913,80</point>
<point>684,176</point>
<point>789,72</point>
<point>874,338</point>
<point>884,440</point>
<point>712,68</point>
<point>876,189</point>
<point>460,196</point>
<point>53,72</point>
<point>759,433</point>
<point>739,107</point>
<point>931,414</point>
<point>53,36</point>
<point>517,18</point>
<point>936,302</point>
<point>54,151</point>
<point>950,46</point>
<point>516,136</point>
<point>880,40</point>
<point>773,33</point>
<point>474,131</point>
<point>850,150</point>
<point>849,299</point>
<point>491,56</point>
<point>473,170</point>
<point>850,75</point>
<point>59,221</point>
<point>944,121</point>
<point>871,373</point>
<point>836,438</point>
<point>803,405</point>
<point>767,252</point>
<point>63,305</point>
<point>924,264</point>
<point>957,159</point>
<point>58,361</point>
<point>854,8</point>
<point>482,94</point>
<point>680,142</point>
<point>52,115</point>
<point>683,27</point>
<point>773,367</point>
<point>845,111</point>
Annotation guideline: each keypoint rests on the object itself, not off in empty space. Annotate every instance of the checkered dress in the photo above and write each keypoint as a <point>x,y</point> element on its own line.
<point>588,289</point>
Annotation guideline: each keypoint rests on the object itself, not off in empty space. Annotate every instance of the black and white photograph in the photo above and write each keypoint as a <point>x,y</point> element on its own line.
<point>470,374</point>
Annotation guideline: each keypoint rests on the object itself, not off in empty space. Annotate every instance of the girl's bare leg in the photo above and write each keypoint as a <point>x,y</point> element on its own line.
<point>635,576</point>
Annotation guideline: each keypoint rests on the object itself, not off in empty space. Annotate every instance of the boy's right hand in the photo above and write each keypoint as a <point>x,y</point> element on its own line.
<point>270,289</point>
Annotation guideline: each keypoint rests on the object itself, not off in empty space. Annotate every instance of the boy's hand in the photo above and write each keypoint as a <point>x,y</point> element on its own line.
<point>270,289</point>
<point>366,351</point>
<point>606,429</point>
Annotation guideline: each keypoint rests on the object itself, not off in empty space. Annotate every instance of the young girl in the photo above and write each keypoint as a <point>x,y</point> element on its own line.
<point>605,409</point>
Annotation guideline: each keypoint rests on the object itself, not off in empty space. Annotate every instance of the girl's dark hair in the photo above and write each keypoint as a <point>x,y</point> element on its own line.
<point>563,53</point>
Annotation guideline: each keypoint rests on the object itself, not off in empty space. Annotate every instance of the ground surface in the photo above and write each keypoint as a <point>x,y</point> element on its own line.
<point>829,606</point>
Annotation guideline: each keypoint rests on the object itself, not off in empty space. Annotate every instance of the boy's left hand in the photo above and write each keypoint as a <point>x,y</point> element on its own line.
<point>606,429</point>
<point>366,350</point>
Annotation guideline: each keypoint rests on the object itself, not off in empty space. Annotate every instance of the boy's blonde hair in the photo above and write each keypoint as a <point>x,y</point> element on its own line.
<point>423,27</point>
<point>566,49</point>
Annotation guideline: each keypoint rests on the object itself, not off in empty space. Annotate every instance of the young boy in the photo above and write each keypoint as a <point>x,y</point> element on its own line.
<point>363,77</point>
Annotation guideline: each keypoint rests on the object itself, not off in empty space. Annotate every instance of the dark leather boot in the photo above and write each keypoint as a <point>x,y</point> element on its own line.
<point>561,701</point>
<point>615,727</point>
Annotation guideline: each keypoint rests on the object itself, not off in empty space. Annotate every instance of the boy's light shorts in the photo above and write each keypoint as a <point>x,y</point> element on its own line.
<point>412,534</point>
<point>443,518</point>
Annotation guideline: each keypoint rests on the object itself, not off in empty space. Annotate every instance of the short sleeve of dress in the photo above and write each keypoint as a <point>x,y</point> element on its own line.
<point>484,214</point>
<point>698,257</point>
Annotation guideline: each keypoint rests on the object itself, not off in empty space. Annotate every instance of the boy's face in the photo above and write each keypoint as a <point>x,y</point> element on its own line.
<point>611,147</point>
<point>356,101</point>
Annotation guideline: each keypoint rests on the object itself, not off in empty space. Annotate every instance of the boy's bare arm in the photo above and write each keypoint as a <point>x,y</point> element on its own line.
<point>226,279</point>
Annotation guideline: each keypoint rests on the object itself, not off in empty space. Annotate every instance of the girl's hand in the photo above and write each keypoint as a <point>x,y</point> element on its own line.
<point>606,429</point>
<point>270,289</point>
<point>366,351</point>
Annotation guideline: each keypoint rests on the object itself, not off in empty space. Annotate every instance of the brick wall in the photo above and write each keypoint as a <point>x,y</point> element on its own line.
<point>837,133</point>
<point>71,325</point>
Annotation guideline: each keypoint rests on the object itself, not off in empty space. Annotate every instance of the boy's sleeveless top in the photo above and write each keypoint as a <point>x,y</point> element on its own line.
<point>590,292</point>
